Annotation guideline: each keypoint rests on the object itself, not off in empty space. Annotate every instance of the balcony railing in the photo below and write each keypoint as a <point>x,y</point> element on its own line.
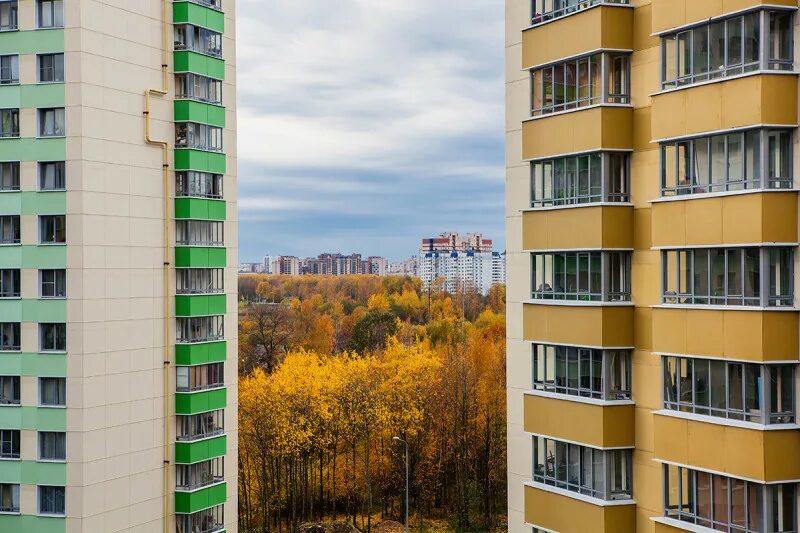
<point>562,8</point>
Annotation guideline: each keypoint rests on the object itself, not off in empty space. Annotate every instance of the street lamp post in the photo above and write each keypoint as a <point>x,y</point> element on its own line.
<point>398,439</point>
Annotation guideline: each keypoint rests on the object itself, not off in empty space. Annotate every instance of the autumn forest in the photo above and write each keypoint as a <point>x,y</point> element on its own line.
<point>332,369</point>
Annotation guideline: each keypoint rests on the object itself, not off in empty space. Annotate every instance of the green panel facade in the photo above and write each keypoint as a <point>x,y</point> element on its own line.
<point>201,353</point>
<point>191,111</point>
<point>191,502</point>
<point>200,305</point>
<point>187,453</point>
<point>211,67</point>
<point>213,162</point>
<point>32,524</point>
<point>33,256</point>
<point>200,209</point>
<point>34,472</point>
<point>32,96</point>
<point>33,418</point>
<point>33,203</point>
<point>33,364</point>
<point>200,257</point>
<point>41,310</point>
<point>31,41</point>
<point>33,149</point>
<point>192,403</point>
<point>187,12</point>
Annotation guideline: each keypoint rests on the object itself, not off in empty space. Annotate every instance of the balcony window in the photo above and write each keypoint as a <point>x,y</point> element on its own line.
<point>727,48</point>
<point>198,136</point>
<point>52,229</point>
<point>52,392</point>
<point>762,394</point>
<point>9,13</point>
<point>51,68</point>
<point>9,336</point>
<point>9,229</point>
<point>582,276</point>
<point>599,177</point>
<point>52,501</point>
<point>205,521</point>
<point>52,446</point>
<point>9,122</point>
<point>584,372</point>
<point>199,475</point>
<point>9,176</point>
<point>215,4</point>
<point>202,426</point>
<point>602,474</point>
<point>544,10</point>
<point>9,443</point>
<point>50,13</point>
<point>9,69</point>
<point>196,87</point>
<point>9,498</point>
<point>744,160</point>
<point>728,504</point>
<point>201,377</point>
<point>728,276</point>
<point>9,283</point>
<point>52,122</point>
<point>200,280</point>
<point>9,390</point>
<point>596,79</point>
<point>53,337</point>
<point>52,283</point>
<point>200,329</point>
<point>52,176</point>
<point>198,184</point>
<point>197,39</point>
<point>199,233</point>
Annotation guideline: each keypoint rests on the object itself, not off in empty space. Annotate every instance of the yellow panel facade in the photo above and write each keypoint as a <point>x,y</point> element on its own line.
<point>601,426</point>
<point>603,27</point>
<point>578,228</point>
<point>568,515</point>
<point>582,325</point>
<point>669,14</point>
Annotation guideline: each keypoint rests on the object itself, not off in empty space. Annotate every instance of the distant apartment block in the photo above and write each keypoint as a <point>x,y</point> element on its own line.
<point>286,265</point>
<point>463,262</point>
<point>409,267</point>
<point>329,264</point>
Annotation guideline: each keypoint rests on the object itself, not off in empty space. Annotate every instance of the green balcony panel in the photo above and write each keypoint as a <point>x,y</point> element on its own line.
<point>189,110</point>
<point>33,203</point>
<point>187,453</point>
<point>200,354</point>
<point>33,364</point>
<point>191,502</point>
<point>187,61</point>
<point>200,257</point>
<point>32,96</point>
<point>192,403</point>
<point>18,310</point>
<point>32,524</point>
<point>33,256</point>
<point>200,305</point>
<point>33,472</point>
<point>33,418</point>
<point>33,149</point>
<point>198,15</point>
<point>213,162</point>
<point>200,209</point>
<point>32,41</point>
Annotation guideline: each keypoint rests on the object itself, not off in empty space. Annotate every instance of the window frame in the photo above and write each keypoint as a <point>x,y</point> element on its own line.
<point>199,280</point>
<point>55,6</point>
<point>590,293</point>
<point>54,68</point>
<point>15,489</point>
<point>41,116</point>
<point>15,385</point>
<point>45,220</point>
<point>196,232</point>
<point>13,116</point>
<point>59,279</point>
<point>59,337</point>
<point>40,435</point>
<point>194,184</point>
<point>61,392</point>
<point>544,182</point>
<point>13,13</point>
<point>199,329</point>
<point>59,174</point>
<point>8,439</point>
<point>569,8</point>
<point>199,426</point>
<point>13,79</point>
<point>547,379</point>
<point>39,500</point>
<point>14,333</point>
<point>15,290</point>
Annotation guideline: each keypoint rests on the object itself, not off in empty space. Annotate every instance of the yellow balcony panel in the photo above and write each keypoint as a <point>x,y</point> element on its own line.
<point>609,27</point>
<point>557,512</point>
<point>579,325</point>
<point>578,228</point>
<point>592,424</point>
<point>594,128</point>
<point>735,103</point>
<point>733,219</point>
<point>753,454</point>
<point>745,335</point>
<point>669,14</point>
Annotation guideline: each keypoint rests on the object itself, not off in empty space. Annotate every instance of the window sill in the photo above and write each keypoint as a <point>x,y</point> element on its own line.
<point>51,190</point>
<point>58,82</point>
<point>10,84</point>
<point>52,244</point>
<point>577,496</point>
<point>725,421</point>
<point>189,491</point>
<point>758,72</point>
<point>577,109</point>
<point>6,244</point>
<point>195,441</point>
<point>51,298</point>
<point>49,28</point>
<point>680,524</point>
<point>51,515</point>
<point>51,406</point>
<point>577,303</point>
<point>192,392</point>
<point>578,399</point>
<point>52,352</point>
<point>9,137</point>
<point>10,191</point>
<point>727,308</point>
<point>52,461</point>
<point>11,459</point>
<point>700,196</point>
<point>576,206</point>
<point>199,101</point>
<point>10,513</point>
<point>577,12</point>
<point>51,137</point>
<point>10,298</point>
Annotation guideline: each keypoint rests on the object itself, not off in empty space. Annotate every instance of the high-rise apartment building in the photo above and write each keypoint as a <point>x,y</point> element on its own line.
<point>461,262</point>
<point>652,221</point>
<point>117,267</point>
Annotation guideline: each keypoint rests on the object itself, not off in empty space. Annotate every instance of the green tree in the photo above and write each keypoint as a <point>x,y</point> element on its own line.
<point>372,330</point>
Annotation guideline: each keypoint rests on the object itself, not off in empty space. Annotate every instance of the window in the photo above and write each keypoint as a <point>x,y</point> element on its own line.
<point>196,87</point>
<point>207,520</point>
<point>728,276</point>
<point>9,336</point>
<point>195,427</point>
<point>198,136</point>
<point>9,69</point>
<point>52,392</point>
<point>9,390</point>
<point>9,498</point>
<point>602,474</point>
<point>581,276</point>
<point>8,15</point>
<point>762,394</point>
<point>50,13</point>
<point>198,184</point>
<point>197,39</point>
<point>9,283</point>
<point>52,501</point>
<point>52,176</point>
<point>600,177</point>
<point>216,4</point>
<point>596,79</point>
<point>728,504</point>
<point>9,122</point>
<point>198,475</point>
<point>51,122</point>
<point>202,377</point>
<point>9,229</point>
<point>53,283</point>
<point>52,446</point>
<point>9,176</point>
<point>51,68</point>
<point>727,48</point>
<point>200,280</point>
<point>9,443</point>
<point>200,329</point>
<point>52,229</point>
<point>53,337</point>
<point>599,374</point>
<point>544,10</point>
<point>199,233</point>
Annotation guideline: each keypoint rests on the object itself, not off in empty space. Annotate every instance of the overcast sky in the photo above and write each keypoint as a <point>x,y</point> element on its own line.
<point>366,125</point>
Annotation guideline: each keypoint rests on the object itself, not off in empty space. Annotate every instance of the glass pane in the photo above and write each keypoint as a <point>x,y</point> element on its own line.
<point>700,50</point>
<point>735,159</point>
<point>718,163</point>
<point>734,41</point>
<point>716,40</point>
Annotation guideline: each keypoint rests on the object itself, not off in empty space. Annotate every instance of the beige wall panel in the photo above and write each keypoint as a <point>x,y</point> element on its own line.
<point>647,484</point>
<point>592,29</point>
<point>579,131</point>
<point>668,14</point>
<point>578,228</point>
<point>567,515</point>
<point>579,325</point>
